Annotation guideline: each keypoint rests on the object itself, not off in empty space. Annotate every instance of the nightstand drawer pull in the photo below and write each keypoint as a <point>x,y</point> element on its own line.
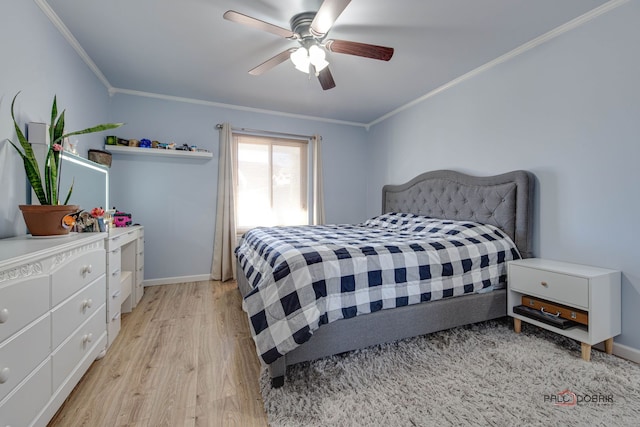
<point>545,284</point>
<point>550,314</point>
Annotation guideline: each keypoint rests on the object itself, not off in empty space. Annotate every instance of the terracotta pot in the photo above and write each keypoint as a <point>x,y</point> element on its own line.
<point>46,220</point>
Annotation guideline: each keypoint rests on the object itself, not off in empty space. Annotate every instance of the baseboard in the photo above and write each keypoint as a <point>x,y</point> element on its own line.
<point>626,352</point>
<point>623,351</point>
<point>174,280</point>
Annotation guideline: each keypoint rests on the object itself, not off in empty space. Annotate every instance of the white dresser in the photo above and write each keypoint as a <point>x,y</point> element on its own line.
<point>125,274</point>
<point>52,321</point>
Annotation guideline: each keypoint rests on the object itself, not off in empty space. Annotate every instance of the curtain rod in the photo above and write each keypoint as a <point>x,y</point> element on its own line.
<point>266,132</point>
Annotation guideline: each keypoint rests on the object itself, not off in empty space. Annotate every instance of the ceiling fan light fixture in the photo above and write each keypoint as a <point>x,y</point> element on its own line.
<point>317,57</point>
<point>310,29</point>
<point>300,58</point>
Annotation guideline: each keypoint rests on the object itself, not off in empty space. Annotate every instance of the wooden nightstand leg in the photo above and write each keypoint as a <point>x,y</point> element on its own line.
<point>586,352</point>
<point>608,346</point>
<point>517,325</point>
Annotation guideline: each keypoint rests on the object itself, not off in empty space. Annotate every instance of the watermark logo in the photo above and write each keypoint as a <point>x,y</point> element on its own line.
<point>564,398</point>
<point>569,398</point>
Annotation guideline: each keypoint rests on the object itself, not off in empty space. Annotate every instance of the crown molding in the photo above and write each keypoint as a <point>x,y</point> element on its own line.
<point>550,35</point>
<point>57,22</point>
<point>113,91</point>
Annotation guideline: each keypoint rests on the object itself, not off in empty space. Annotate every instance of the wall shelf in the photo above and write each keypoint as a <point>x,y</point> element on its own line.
<point>137,151</point>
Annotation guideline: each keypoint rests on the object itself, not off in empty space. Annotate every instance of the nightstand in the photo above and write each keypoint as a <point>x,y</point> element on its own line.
<point>591,290</point>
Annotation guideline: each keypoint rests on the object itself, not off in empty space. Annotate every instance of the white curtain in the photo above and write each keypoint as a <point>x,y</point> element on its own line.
<point>318,192</point>
<point>224,265</point>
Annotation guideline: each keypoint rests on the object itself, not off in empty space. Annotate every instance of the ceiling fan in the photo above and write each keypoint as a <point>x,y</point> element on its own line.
<point>310,29</point>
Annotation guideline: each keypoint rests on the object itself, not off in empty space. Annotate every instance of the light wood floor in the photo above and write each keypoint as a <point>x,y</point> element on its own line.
<point>184,357</point>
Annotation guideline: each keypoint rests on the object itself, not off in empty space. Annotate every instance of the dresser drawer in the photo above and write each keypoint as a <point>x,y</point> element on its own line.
<point>20,354</point>
<point>114,287</point>
<point>114,326</point>
<point>21,302</point>
<point>76,310</point>
<point>75,273</point>
<point>114,296</point>
<point>67,356</point>
<point>562,288</point>
<point>140,275</point>
<point>114,259</point>
<point>120,237</point>
<point>26,402</point>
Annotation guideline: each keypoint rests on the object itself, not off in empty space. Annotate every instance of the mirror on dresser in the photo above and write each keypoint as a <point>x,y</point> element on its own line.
<point>90,179</point>
<point>90,182</point>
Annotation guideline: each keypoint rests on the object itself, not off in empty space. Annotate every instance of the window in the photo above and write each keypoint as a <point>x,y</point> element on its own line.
<point>273,177</point>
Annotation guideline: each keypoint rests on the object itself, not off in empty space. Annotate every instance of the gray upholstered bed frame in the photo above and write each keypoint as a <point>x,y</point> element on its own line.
<point>502,200</point>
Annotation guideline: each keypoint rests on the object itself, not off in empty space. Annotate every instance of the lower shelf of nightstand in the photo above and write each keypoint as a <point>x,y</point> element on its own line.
<point>575,333</point>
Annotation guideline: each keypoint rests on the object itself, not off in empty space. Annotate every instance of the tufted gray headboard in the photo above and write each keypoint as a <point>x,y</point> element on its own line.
<point>505,200</point>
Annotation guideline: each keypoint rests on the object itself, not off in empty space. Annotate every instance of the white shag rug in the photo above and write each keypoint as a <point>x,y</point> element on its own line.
<point>483,374</point>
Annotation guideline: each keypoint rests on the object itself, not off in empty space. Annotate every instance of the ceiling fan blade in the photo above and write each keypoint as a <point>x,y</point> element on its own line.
<point>326,16</point>
<point>232,15</point>
<point>272,62</point>
<point>360,49</point>
<point>326,79</point>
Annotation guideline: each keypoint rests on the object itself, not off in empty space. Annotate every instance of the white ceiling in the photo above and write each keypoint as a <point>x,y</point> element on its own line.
<point>185,49</point>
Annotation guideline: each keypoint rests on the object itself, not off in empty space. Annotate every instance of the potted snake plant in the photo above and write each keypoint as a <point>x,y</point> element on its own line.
<point>46,185</point>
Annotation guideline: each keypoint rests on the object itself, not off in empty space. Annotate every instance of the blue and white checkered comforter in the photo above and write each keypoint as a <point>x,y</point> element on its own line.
<point>303,277</point>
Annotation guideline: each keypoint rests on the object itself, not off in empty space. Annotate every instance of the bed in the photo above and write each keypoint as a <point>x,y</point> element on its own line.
<point>501,204</point>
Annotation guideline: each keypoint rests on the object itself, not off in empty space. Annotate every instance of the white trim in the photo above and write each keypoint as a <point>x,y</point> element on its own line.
<point>626,352</point>
<point>174,280</point>
<point>623,351</point>
<point>57,22</point>
<point>231,106</point>
<point>574,23</point>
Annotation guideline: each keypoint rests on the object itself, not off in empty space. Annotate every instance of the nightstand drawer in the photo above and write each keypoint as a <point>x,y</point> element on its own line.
<point>563,288</point>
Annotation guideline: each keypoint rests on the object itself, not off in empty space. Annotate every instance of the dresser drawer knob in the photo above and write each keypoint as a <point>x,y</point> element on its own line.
<point>87,338</point>
<point>4,375</point>
<point>88,303</point>
<point>545,284</point>
<point>4,315</point>
<point>87,269</point>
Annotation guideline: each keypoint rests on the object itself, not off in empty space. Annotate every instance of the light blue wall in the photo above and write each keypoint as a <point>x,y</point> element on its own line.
<point>569,111</point>
<point>39,62</point>
<point>175,198</point>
